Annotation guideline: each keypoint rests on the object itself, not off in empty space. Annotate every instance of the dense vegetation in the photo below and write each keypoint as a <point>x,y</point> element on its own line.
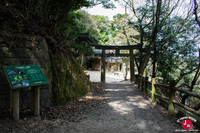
<point>175,51</point>
<point>58,22</point>
<point>169,41</point>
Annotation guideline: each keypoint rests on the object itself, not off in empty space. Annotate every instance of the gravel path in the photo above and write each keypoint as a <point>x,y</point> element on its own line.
<point>125,111</point>
<point>120,108</point>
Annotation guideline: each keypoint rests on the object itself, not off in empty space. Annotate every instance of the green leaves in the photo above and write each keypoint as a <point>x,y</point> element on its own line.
<point>105,3</point>
<point>176,49</point>
<point>79,32</point>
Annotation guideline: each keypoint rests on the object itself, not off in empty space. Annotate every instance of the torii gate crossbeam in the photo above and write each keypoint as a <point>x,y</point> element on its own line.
<point>117,53</point>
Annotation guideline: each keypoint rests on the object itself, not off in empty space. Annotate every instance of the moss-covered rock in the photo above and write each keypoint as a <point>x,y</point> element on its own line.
<point>69,80</point>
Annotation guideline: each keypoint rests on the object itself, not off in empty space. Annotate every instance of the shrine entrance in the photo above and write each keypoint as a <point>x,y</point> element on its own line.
<point>116,52</point>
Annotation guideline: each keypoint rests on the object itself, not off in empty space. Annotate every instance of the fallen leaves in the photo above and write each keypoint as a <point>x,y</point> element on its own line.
<point>51,116</point>
<point>72,110</point>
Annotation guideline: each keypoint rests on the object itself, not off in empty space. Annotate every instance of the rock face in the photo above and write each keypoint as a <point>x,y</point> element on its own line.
<point>67,80</point>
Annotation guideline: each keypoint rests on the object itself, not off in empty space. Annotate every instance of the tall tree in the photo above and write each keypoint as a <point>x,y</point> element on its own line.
<point>176,48</point>
<point>196,12</point>
<point>123,30</point>
<point>102,25</point>
<point>159,12</point>
<point>46,18</point>
<point>80,32</point>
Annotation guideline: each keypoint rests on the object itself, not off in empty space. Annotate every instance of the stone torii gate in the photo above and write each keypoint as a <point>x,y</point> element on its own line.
<point>118,54</point>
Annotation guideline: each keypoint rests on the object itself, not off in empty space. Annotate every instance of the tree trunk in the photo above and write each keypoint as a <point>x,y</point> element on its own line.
<point>82,60</point>
<point>153,39</point>
<point>154,69</point>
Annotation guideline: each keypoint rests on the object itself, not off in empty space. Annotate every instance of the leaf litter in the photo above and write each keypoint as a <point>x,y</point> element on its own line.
<point>52,116</point>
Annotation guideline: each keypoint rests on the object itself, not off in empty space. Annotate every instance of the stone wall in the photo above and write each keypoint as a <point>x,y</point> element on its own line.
<point>24,51</point>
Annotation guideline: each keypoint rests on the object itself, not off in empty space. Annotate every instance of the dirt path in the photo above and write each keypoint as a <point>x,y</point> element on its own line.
<point>125,111</point>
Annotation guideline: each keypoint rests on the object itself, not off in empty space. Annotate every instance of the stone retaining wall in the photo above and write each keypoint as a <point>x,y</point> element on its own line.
<point>24,51</point>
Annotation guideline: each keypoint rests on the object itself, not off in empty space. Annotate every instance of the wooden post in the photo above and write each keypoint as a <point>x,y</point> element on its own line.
<point>145,86</point>
<point>32,101</point>
<point>153,89</point>
<point>132,66</point>
<point>171,97</point>
<point>36,100</point>
<point>15,104</point>
<point>11,103</point>
<point>103,66</point>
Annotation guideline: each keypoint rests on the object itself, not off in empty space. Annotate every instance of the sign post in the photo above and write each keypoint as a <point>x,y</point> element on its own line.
<point>36,101</point>
<point>20,77</point>
<point>15,104</point>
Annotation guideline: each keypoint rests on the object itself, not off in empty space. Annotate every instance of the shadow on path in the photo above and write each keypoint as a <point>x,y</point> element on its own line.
<point>125,111</point>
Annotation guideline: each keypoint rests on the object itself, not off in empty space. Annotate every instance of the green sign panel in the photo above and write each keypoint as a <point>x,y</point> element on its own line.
<point>24,76</point>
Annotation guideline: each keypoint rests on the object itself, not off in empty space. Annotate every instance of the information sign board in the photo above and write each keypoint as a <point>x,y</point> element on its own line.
<point>24,76</point>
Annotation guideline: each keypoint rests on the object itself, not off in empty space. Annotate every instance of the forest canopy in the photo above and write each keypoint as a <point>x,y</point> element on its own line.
<point>169,42</point>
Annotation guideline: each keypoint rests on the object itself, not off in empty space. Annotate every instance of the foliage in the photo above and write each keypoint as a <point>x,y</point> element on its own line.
<point>79,32</point>
<point>49,19</point>
<point>149,18</point>
<point>176,49</point>
<point>46,13</point>
<point>103,28</point>
<point>105,3</point>
<point>114,32</point>
<point>123,30</point>
<point>174,43</point>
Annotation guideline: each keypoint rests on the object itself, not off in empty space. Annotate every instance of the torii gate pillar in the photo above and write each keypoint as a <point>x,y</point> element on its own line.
<point>132,69</point>
<point>103,66</point>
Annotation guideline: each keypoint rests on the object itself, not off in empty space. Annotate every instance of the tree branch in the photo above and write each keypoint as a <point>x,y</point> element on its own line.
<point>182,75</point>
<point>167,11</point>
<point>131,5</point>
<point>196,6</point>
<point>124,32</point>
<point>183,84</point>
